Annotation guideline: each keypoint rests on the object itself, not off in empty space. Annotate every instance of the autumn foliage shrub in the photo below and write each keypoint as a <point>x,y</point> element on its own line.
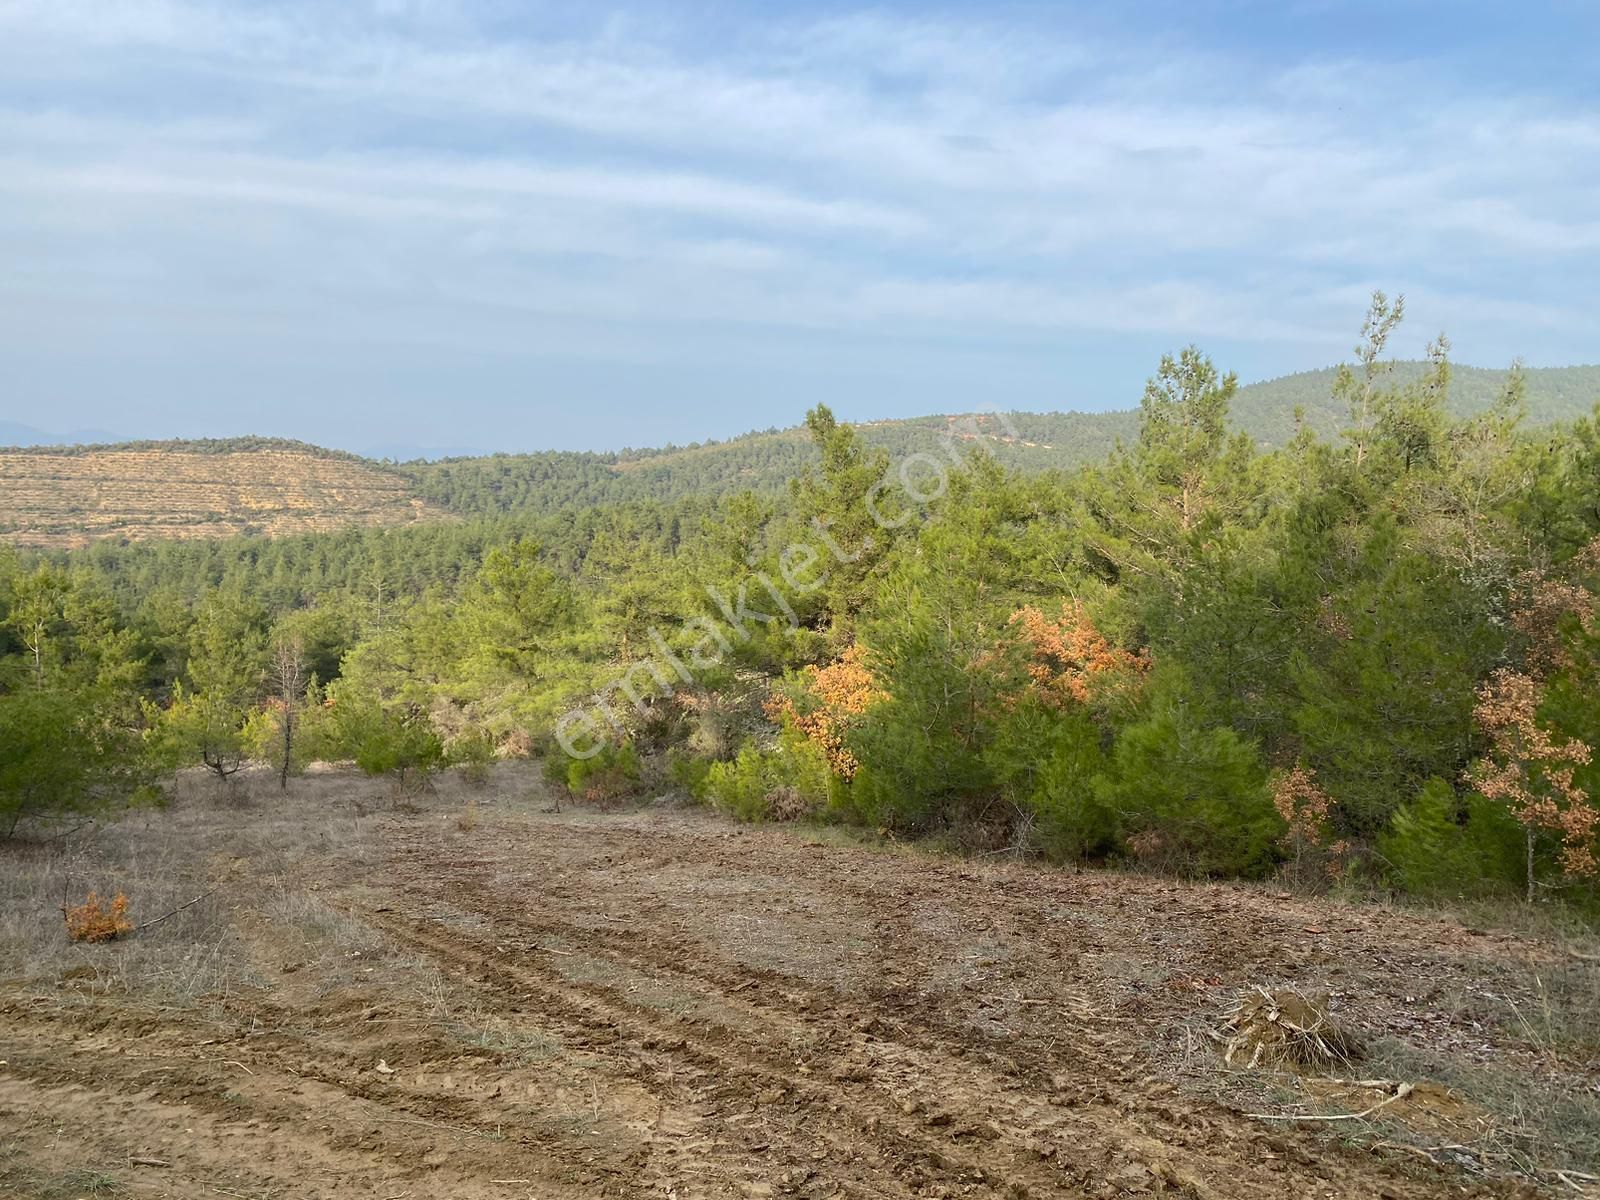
<point>1065,658</point>
<point>1315,856</point>
<point>93,921</point>
<point>826,703</point>
<point>1544,611</point>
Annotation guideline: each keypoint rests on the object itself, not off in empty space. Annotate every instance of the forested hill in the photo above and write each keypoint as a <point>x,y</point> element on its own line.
<point>1266,410</point>
<point>66,496</point>
<point>555,480</point>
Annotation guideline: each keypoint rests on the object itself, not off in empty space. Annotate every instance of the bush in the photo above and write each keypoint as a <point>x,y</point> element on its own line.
<point>1044,760</point>
<point>473,752</point>
<point>553,762</point>
<point>1441,844</point>
<point>1072,820</point>
<point>690,773</point>
<point>917,771</point>
<point>93,922</point>
<point>740,787</point>
<point>1191,799</point>
<point>786,783</point>
<point>63,751</point>
<point>609,776</point>
<point>398,741</point>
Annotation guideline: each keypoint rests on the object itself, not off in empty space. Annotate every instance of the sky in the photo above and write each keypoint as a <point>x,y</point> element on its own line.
<point>399,226</point>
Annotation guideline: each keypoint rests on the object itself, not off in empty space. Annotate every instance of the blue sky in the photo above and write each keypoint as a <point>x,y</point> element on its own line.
<point>386,224</point>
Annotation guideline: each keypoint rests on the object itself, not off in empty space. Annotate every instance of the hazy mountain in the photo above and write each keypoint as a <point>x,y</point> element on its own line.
<point>272,484</point>
<point>14,434</point>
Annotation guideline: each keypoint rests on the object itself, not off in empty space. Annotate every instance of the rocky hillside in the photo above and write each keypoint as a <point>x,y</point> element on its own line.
<point>64,497</point>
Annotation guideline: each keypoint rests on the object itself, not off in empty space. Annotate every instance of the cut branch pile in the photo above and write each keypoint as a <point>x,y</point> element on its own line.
<point>1283,1027</point>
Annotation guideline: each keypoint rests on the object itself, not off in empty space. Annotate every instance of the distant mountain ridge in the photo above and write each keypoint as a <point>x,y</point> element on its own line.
<point>215,487</point>
<point>15,434</point>
<point>1266,410</point>
<point>557,480</point>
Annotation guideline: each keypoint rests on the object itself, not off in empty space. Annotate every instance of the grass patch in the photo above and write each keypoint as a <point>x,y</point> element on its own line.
<point>1536,1123</point>
<point>517,1047</point>
<point>81,1182</point>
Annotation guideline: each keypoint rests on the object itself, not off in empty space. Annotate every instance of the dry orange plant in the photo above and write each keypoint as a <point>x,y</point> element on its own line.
<point>842,690</point>
<point>92,921</point>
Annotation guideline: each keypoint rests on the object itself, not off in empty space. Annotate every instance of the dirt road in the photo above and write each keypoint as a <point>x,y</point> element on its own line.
<point>527,1004</point>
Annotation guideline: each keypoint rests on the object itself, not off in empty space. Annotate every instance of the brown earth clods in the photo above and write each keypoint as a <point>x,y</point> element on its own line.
<point>59,500</point>
<point>660,1004</point>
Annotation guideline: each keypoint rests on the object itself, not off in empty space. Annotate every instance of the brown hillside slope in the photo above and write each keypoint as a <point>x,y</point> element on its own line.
<point>66,498</point>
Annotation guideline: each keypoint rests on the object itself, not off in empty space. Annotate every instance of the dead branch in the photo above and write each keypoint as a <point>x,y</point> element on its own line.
<point>1404,1090</point>
<point>174,912</point>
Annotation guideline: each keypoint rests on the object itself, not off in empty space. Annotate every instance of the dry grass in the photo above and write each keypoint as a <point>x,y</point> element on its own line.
<point>1530,1109</point>
<point>1530,1124</point>
<point>189,955</point>
<point>19,1178</point>
<point>266,866</point>
<point>518,1047</point>
<point>257,855</point>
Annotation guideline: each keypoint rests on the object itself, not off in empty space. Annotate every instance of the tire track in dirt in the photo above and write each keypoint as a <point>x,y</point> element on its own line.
<point>661,1006</point>
<point>676,951</point>
<point>305,1107</point>
<point>801,1122</point>
<point>1090,1131</point>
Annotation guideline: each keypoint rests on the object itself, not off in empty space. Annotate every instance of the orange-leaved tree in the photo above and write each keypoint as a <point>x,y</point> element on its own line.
<point>1532,773</point>
<point>1307,810</point>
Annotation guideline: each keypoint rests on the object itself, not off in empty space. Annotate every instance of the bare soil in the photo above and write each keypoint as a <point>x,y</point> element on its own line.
<point>62,500</point>
<point>472,996</point>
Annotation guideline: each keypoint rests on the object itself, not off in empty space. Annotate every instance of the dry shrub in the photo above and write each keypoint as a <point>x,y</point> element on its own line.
<point>788,803</point>
<point>1284,1027</point>
<point>93,922</point>
<point>1066,659</point>
<point>468,820</point>
<point>516,744</point>
<point>1147,846</point>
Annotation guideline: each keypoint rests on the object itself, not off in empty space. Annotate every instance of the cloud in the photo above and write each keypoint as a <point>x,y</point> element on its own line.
<point>441,169</point>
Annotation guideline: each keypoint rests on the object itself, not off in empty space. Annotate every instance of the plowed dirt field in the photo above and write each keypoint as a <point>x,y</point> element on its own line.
<point>473,997</point>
